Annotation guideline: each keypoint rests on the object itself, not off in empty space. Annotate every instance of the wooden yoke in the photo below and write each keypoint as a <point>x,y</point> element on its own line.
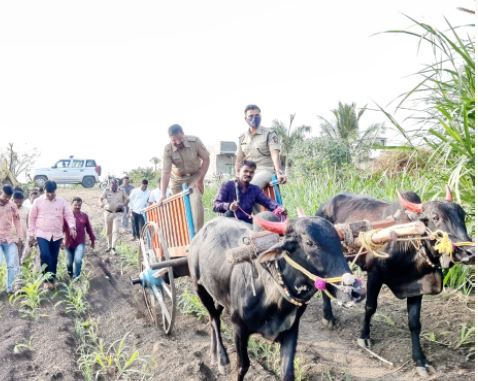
<point>381,232</point>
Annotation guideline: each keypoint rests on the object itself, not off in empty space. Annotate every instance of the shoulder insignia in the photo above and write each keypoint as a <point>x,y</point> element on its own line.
<point>191,138</point>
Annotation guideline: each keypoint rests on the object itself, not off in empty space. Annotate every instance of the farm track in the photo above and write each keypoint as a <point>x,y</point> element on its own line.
<point>118,310</point>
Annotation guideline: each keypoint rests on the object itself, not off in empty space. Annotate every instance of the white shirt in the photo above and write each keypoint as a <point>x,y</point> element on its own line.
<point>138,199</point>
<point>156,194</point>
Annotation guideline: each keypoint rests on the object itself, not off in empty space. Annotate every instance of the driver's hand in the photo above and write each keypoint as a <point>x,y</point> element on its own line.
<point>280,211</point>
<point>282,179</point>
<point>233,206</point>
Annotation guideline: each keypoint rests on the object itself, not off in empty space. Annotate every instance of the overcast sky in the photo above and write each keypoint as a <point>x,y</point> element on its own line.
<point>105,79</point>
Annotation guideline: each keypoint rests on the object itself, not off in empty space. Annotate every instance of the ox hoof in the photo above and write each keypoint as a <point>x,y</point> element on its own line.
<point>364,343</point>
<point>425,371</point>
<point>329,324</point>
<point>224,369</point>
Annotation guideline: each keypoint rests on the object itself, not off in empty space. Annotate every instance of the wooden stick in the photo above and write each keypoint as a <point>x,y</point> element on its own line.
<point>377,356</point>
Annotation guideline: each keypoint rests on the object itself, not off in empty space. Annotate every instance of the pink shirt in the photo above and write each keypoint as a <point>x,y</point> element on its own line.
<point>46,218</point>
<point>9,217</point>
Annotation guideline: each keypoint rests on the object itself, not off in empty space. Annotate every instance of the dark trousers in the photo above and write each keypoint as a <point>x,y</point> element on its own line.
<point>49,255</point>
<point>138,223</point>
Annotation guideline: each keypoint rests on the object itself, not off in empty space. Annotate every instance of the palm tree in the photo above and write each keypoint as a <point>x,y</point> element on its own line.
<point>345,129</point>
<point>289,136</point>
<point>155,161</point>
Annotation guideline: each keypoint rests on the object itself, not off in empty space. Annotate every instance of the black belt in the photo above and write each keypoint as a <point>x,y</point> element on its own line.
<point>184,174</point>
<point>118,211</point>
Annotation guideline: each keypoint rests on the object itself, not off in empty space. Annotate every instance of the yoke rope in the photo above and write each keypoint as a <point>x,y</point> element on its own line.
<point>444,245</point>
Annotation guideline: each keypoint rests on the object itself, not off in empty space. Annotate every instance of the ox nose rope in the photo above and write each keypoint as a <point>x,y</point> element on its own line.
<point>445,245</point>
<point>319,282</point>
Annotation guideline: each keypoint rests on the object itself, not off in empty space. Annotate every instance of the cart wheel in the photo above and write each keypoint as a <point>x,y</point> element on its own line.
<point>160,299</point>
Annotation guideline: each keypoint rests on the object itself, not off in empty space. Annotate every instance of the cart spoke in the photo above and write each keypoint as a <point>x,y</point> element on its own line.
<point>160,299</point>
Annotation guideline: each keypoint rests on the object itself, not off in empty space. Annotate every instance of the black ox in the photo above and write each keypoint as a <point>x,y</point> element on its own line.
<point>267,295</point>
<point>410,271</point>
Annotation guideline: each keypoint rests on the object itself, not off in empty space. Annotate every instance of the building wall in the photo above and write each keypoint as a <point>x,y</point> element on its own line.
<point>222,156</point>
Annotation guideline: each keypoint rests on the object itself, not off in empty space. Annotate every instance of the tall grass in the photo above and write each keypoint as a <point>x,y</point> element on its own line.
<point>443,103</point>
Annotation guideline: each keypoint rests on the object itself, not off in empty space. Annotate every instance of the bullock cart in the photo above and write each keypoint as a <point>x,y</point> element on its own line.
<point>164,241</point>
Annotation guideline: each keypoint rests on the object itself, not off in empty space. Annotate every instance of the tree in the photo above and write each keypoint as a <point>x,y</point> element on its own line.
<point>140,173</point>
<point>289,136</point>
<point>344,131</point>
<point>18,163</point>
<point>155,161</point>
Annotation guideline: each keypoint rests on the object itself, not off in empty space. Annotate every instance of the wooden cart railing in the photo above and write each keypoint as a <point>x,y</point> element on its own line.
<point>174,220</point>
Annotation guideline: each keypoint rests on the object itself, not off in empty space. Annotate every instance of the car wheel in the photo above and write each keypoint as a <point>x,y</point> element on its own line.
<point>88,182</point>
<point>40,180</point>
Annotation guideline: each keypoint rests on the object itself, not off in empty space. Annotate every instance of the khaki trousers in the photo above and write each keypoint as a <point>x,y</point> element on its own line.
<point>195,197</point>
<point>112,223</point>
<point>262,177</point>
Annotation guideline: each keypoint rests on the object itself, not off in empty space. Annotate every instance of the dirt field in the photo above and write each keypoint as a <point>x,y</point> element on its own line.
<point>49,344</point>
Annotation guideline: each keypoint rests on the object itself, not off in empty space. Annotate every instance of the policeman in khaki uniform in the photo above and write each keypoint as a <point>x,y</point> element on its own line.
<point>185,160</point>
<point>261,145</point>
<point>113,201</point>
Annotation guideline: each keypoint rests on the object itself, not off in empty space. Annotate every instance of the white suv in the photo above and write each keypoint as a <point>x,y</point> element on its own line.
<point>69,171</point>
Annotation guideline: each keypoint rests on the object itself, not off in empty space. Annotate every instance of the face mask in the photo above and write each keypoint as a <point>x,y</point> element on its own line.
<point>255,122</point>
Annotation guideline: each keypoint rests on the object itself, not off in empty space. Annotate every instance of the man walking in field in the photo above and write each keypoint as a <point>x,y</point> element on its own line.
<point>260,145</point>
<point>75,246</point>
<point>23,211</point>
<point>113,201</point>
<point>45,226</point>
<point>138,200</point>
<point>10,234</point>
<point>127,188</point>
<point>185,161</point>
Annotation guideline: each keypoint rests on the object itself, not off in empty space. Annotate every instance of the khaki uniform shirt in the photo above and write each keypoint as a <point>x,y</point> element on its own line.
<point>184,161</point>
<point>258,147</point>
<point>114,200</point>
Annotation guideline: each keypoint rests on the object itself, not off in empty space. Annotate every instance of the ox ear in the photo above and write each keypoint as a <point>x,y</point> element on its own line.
<point>274,252</point>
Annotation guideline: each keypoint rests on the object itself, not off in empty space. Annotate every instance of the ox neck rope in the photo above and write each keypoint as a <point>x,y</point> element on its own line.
<point>276,275</point>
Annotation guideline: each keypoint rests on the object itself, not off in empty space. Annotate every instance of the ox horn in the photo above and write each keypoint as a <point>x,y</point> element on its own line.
<point>411,206</point>
<point>300,212</point>
<point>274,227</point>
<point>449,195</point>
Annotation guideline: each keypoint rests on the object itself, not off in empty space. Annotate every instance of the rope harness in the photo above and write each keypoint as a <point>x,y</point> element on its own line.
<point>319,282</point>
<point>444,245</point>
